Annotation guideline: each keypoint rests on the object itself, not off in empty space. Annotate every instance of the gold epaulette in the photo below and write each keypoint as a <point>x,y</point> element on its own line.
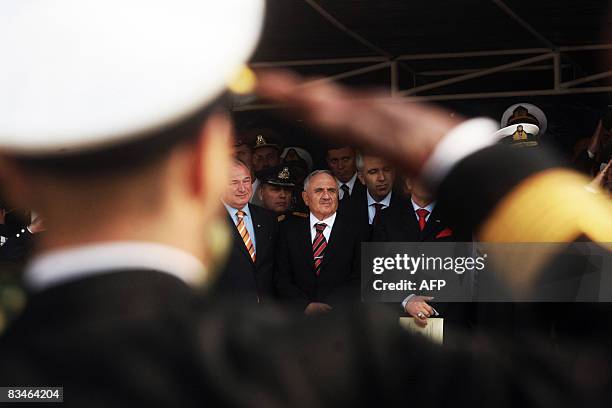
<point>300,214</point>
<point>281,217</point>
<point>550,206</point>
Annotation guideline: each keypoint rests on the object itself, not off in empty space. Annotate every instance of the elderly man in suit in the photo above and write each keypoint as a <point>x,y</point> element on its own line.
<point>318,254</point>
<point>249,270</point>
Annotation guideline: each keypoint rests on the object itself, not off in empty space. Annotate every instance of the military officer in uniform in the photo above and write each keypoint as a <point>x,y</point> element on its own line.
<point>266,149</point>
<point>278,188</point>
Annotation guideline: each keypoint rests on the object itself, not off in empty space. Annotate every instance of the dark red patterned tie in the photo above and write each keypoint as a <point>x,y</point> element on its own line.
<point>422,213</point>
<point>318,247</point>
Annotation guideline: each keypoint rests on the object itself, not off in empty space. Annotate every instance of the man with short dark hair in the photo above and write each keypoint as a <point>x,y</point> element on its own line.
<point>277,188</point>
<point>378,176</point>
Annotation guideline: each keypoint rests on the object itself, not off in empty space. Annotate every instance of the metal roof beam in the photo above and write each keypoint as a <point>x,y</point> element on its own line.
<point>484,72</point>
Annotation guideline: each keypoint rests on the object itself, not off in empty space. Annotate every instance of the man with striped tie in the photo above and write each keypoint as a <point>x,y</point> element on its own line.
<point>318,254</point>
<point>250,268</point>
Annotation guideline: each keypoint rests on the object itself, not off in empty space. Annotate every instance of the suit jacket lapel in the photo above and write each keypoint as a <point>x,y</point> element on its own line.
<point>334,238</point>
<point>433,225</point>
<point>305,242</point>
<point>409,224</point>
<point>261,234</point>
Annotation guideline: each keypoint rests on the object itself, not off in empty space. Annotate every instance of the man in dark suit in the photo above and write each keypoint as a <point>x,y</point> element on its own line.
<point>366,206</point>
<point>418,219</point>
<point>341,161</point>
<point>318,254</point>
<point>249,270</point>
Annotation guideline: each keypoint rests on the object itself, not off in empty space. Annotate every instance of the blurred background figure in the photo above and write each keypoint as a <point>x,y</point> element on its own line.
<point>341,161</point>
<point>302,160</point>
<point>243,151</point>
<point>603,181</point>
<point>299,157</point>
<point>266,147</point>
<point>591,153</point>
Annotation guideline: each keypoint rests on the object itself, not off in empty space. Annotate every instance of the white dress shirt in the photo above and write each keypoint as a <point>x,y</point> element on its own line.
<point>329,221</point>
<point>350,184</point>
<point>429,207</point>
<point>248,221</point>
<point>372,209</point>
<point>64,265</point>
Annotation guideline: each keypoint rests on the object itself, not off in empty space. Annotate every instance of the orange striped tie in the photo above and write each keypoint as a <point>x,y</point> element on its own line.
<point>242,230</point>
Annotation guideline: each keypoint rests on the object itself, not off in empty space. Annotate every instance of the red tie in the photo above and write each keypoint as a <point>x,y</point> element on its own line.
<point>422,213</point>
<point>318,246</point>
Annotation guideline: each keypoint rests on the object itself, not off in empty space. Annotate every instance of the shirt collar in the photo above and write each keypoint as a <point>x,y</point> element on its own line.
<point>232,211</point>
<point>385,201</point>
<point>329,220</point>
<point>429,207</point>
<point>349,183</point>
<point>64,265</point>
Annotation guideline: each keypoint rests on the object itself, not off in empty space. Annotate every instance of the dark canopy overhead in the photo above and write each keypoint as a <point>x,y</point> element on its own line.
<point>433,40</point>
<point>490,53</point>
<point>296,30</point>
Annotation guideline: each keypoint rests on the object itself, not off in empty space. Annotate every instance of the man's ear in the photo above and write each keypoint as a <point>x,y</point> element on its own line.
<point>305,198</point>
<point>213,158</point>
<point>259,193</point>
<point>360,177</point>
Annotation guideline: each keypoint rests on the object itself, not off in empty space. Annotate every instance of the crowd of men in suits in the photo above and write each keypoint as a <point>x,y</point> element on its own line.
<point>297,233</point>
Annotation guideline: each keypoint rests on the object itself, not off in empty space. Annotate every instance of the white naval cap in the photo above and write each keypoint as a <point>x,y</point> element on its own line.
<point>81,75</point>
<point>532,110</point>
<point>510,130</point>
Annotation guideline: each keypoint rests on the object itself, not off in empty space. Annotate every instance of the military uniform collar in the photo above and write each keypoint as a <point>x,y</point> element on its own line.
<point>65,265</point>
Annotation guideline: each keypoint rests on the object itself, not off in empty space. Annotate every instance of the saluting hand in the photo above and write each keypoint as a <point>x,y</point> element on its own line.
<point>406,133</point>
